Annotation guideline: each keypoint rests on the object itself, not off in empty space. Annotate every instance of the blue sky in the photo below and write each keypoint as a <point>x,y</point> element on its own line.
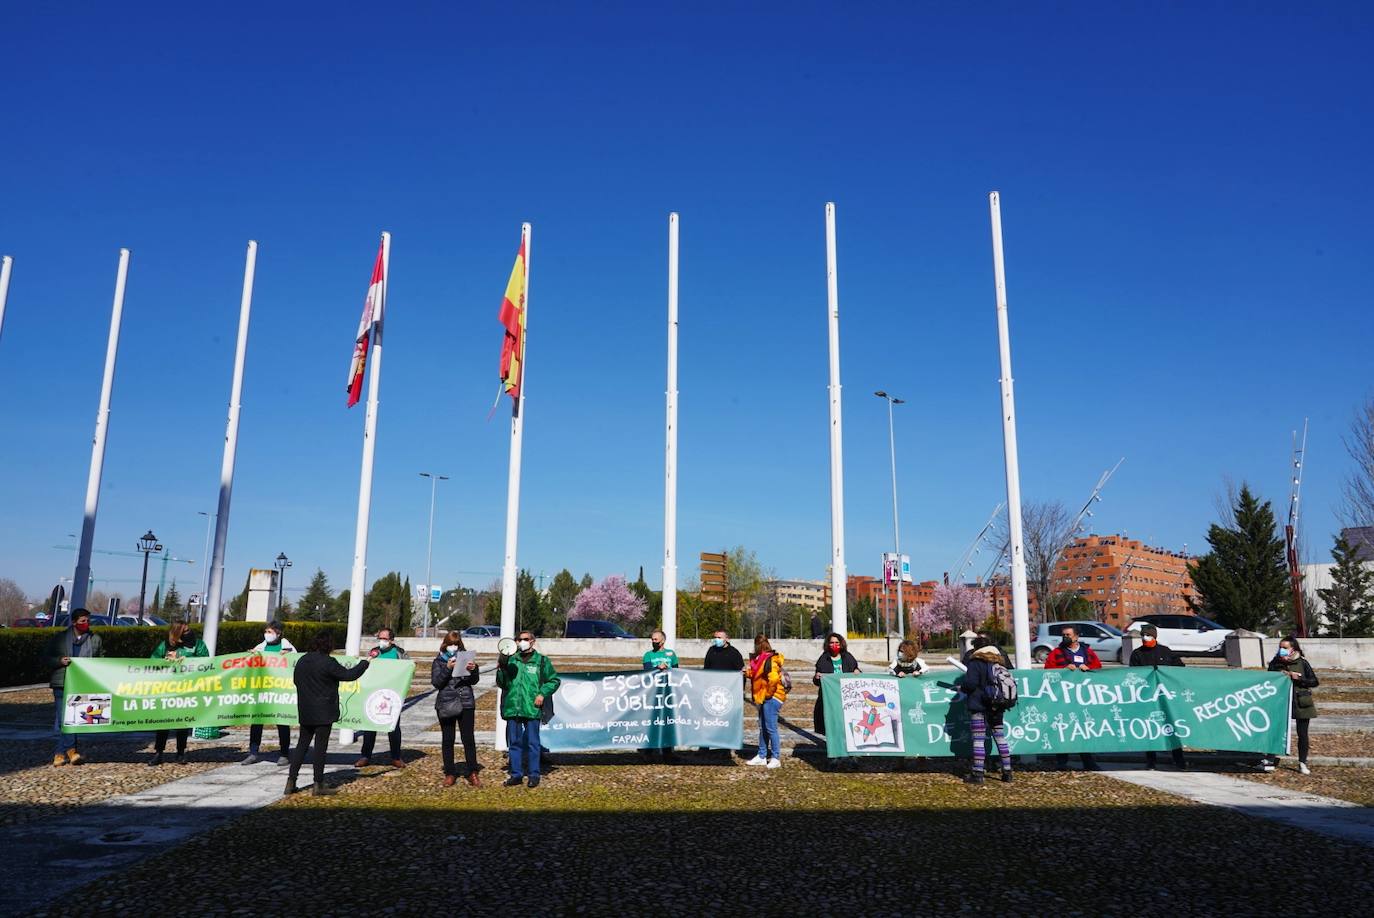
<point>1187,257</point>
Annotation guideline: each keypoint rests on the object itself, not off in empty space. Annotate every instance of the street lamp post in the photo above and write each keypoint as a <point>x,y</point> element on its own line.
<point>429,552</point>
<point>896,530</point>
<point>281,564</point>
<point>148,544</point>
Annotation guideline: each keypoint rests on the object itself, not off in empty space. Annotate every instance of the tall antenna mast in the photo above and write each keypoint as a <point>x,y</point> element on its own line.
<point>1290,531</point>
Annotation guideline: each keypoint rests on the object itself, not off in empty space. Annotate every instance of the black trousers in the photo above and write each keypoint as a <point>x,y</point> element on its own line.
<point>463,725</point>
<point>1152,758</point>
<point>393,738</point>
<point>1303,743</point>
<point>319,735</point>
<point>160,740</point>
<point>283,738</point>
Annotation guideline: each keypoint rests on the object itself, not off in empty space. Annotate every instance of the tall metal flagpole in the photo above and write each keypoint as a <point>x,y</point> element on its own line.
<point>517,429</point>
<point>838,579</point>
<point>81,579</point>
<point>670,452</point>
<point>6,264</point>
<point>1019,609</point>
<point>226,470</point>
<point>358,585</point>
<point>896,530</point>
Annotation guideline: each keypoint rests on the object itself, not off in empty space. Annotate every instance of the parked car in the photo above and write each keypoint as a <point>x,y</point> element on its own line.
<point>31,623</point>
<point>1190,634</point>
<point>482,631</point>
<point>591,628</point>
<point>145,621</point>
<point>1104,639</point>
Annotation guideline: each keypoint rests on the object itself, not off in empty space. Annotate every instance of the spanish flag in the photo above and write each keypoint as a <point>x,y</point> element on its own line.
<point>512,316</point>
<point>372,315</point>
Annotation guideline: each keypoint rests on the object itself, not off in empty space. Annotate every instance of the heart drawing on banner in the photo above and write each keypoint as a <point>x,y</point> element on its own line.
<point>577,694</point>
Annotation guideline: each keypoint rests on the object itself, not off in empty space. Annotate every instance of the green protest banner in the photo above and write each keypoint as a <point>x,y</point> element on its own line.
<point>1109,710</point>
<point>110,695</point>
<point>647,709</point>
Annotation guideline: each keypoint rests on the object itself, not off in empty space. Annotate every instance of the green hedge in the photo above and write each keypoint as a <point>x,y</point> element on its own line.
<point>21,649</point>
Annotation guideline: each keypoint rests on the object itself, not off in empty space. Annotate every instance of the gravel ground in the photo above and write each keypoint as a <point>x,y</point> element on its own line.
<point>621,839</point>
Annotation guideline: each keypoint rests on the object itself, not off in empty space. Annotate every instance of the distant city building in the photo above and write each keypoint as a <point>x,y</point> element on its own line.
<point>1318,576</point>
<point>1124,578</point>
<point>812,595</point>
<point>998,590</point>
<point>914,595</point>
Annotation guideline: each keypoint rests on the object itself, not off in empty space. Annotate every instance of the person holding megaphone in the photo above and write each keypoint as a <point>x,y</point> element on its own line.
<point>528,680</point>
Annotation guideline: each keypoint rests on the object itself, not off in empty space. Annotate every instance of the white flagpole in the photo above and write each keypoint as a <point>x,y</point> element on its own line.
<point>670,453</point>
<point>358,585</point>
<point>226,472</point>
<point>6,264</point>
<point>517,430</point>
<point>81,579</point>
<point>1019,610</point>
<point>838,578</point>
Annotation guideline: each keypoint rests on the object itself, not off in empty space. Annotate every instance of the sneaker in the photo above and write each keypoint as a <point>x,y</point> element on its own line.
<point>512,781</point>
<point>774,763</point>
<point>974,777</point>
<point>534,782</point>
<point>1266,767</point>
<point>1006,776</point>
<point>283,760</point>
<point>250,759</point>
<point>156,760</point>
<point>58,760</point>
<point>1303,769</point>
<point>757,760</point>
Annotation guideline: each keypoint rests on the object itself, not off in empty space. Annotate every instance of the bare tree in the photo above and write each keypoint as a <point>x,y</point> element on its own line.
<point>13,603</point>
<point>1358,505</point>
<point>1046,528</point>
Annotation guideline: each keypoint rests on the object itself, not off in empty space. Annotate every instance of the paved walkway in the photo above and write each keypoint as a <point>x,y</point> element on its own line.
<point>1339,818</point>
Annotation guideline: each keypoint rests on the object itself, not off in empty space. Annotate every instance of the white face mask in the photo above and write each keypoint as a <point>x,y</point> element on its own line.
<point>719,642</point>
<point>523,645</point>
<point>383,643</point>
<point>451,649</point>
<point>270,637</point>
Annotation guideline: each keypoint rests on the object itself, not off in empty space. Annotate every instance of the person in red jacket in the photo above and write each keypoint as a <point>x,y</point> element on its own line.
<point>1070,654</point>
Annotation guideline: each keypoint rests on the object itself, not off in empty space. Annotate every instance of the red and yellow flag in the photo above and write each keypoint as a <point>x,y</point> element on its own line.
<point>372,316</point>
<point>512,316</point>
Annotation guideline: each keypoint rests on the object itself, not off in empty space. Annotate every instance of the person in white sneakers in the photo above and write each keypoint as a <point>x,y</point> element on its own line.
<point>765,673</point>
<point>1290,661</point>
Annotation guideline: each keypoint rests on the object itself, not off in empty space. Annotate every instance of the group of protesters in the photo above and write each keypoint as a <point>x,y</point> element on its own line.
<point>528,681</point>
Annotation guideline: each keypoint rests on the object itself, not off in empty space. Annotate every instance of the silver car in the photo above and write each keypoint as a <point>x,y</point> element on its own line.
<point>1104,639</point>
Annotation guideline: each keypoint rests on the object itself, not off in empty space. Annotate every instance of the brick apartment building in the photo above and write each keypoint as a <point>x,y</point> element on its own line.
<point>913,594</point>
<point>812,595</point>
<point>1124,578</point>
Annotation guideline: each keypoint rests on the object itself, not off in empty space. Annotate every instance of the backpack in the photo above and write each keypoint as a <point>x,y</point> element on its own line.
<point>999,692</point>
<point>785,679</point>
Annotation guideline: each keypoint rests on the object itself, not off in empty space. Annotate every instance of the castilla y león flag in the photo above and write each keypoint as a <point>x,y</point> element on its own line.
<point>512,316</point>
<point>372,316</point>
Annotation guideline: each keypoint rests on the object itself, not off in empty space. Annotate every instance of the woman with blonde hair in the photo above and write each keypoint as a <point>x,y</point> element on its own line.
<point>767,688</point>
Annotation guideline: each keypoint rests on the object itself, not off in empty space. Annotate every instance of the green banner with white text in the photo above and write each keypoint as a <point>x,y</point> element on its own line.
<point>1133,709</point>
<point>106,695</point>
<point>652,709</point>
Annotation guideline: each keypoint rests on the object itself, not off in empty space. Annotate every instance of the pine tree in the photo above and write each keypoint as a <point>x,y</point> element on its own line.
<point>317,603</point>
<point>1350,598</point>
<point>171,603</point>
<point>1243,581</point>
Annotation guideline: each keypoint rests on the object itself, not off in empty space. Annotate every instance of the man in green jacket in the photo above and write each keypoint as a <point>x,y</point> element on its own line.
<point>77,641</point>
<point>527,680</point>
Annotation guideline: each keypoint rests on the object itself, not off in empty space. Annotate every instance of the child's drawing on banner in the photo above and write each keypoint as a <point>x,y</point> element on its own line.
<point>871,715</point>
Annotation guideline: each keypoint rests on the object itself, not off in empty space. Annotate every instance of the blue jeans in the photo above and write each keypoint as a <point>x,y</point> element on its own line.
<point>524,746</point>
<point>65,741</point>
<point>768,729</point>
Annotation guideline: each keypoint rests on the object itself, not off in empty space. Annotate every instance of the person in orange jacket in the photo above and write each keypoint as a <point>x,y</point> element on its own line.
<point>765,673</point>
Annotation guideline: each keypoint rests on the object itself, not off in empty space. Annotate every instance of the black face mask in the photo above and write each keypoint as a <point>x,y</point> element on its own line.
<point>658,645</point>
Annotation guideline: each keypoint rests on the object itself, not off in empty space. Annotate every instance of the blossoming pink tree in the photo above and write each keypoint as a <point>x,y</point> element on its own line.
<point>959,607</point>
<point>611,600</point>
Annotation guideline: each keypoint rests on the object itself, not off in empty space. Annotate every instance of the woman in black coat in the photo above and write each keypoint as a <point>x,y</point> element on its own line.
<point>835,658</point>
<point>456,706</point>
<point>317,677</point>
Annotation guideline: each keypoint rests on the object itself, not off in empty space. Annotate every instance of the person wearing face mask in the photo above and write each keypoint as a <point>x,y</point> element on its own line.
<point>528,679</point>
<point>1152,653</point>
<point>181,643</point>
<point>1290,661</point>
<point>1075,655</point>
<point>908,661</point>
<point>722,654</point>
<point>77,641</point>
<point>386,649</point>
<point>273,641</point>
<point>658,656</point>
<point>456,706</point>
<point>835,658</point>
